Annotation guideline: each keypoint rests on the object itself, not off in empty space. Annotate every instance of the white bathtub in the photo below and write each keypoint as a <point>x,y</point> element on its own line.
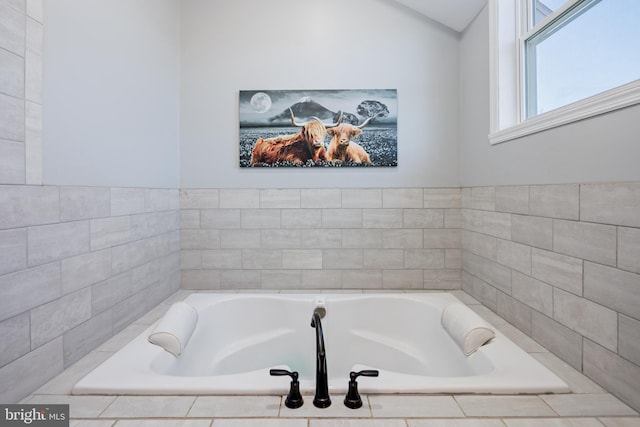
<point>239,337</point>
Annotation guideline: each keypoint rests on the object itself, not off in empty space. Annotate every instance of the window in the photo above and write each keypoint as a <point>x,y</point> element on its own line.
<point>557,61</point>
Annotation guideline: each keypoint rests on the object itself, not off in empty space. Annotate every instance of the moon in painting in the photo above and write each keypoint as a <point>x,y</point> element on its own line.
<point>261,102</point>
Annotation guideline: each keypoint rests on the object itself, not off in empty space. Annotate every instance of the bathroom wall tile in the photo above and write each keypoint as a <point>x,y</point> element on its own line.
<point>279,198</point>
<point>613,288</point>
<point>504,406</point>
<point>84,270</point>
<point>483,198</point>
<point>174,199</point>
<point>514,255</point>
<point>403,239</point>
<point>127,311</point>
<point>42,364</point>
<point>629,249</point>
<point>385,258</point>
<point>12,162</point>
<point>558,270</point>
<point>382,218</point>
<point>589,319</point>
<point>106,294</point>
<point>214,239</point>
<point>190,219</point>
<point>342,258</point>
<point>359,238</point>
<point>341,218</point>
<point>51,320</point>
<point>22,206</point>
<point>321,239</point>
<point>442,238</point>
<point>260,218</point>
<point>218,218</point>
<point>465,198</point>
<point>261,259</point>
<point>362,198</point>
<point>593,242</point>
<point>479,244</point>
<point>235,406</point>
<point>35,9</point>
<point>42,284</point>
<point>156,199</point>
<point>204,279</point>
<point>532,230</point>
<point>15,333</point>
<point>471,220</point>
<point>12,30</point>
<point>423,218</point>
<point>239,199</point>
<point>149,406</point>
<point>614,373</point>
<point>362,279</point>
<point>534,293</point>
<point>453,258</point>
<point>306,259</point>
<point>87,336</point>
<point>12,76</point>
<point>49,243</point>
<point>557,338</point>
<point>229,239</point>
<point>485,293</point>
<point>586,405</point>
<point>629,338</point>
<point>321,279</point>
<point>555,201</point>
<point>577,381</point>
<point>200,199</point>
<point>326,198</point>
<point>283,239</point>
<point>155,272</point>
<point>13,113</point>
<point>414,406</point>
<point>109,232</point>
<point>513,199</point>
<point>301,218</point>
<point>441,279</point>
<point>497,224</point>
<point>442,198</point>
<point>220,259</point>
<point>33,143</point>
<point>615,203</point>
<point>489,271</point>
<point>135,254</point>
<point>452,218</point>
<point>521,339</point>
<point>148,225</point>
<point>34,61</point>
<point>421,258</point>
<point>13,250</point>
<point>77,203</point>
<point>514,311</point>
<point>281,279</point>
<point>127,201</point>
<point>402,198</point>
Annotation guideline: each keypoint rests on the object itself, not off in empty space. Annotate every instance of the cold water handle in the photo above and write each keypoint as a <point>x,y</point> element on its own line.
<point>294,398</point>
<point>352,400</point>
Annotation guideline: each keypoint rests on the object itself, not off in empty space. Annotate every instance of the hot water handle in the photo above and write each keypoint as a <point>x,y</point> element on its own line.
<point>352,400</point>
<point>294,398</point>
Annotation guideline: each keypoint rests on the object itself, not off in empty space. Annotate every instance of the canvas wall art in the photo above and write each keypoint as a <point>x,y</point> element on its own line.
<point>318,128</point>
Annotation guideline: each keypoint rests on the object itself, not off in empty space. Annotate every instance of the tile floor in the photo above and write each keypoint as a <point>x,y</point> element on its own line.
<point>587,406</point>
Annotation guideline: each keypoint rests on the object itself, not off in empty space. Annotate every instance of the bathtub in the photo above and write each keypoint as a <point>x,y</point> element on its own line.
<point>239,337</point>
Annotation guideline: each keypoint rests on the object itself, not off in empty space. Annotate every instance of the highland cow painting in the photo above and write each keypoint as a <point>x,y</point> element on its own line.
<point>318,128</point>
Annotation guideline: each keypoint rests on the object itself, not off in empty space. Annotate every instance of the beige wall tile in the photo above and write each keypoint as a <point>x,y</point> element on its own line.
<point>342,218</point>
<point>321,239</point>
<point>557,338</point>
<point>84,270</point>
<point>442,198</point>
<point>321,279</point>
<point>403,239</point>
<point>109,232</point>
<point>382,218</point>
<point>261,259</point>
<point>199,199</point>
<point>279,198</point>
<point>329,198</point>
<point>512,199</point>
<point>514,311</point>
<point>342,258</point>
<point>532,230</point>
<point>49,243</point>
<point>360,238</point>
<point>12,77</point>
<point>446,279</point>
<point>421,258</point>
<point>362,198</point>
<point>190,219</point>
<point>302,218</point>
<point>260,218</point>
<point>13,250</point>
<point>593,242</point>
<point>12,162</point>
<point>615,203</point>
<point>280,279</point>
<point>534,293</point>
<point>221,259</point>
<point>423,218</point>
<point>273,239</point>
<point>483,198</point>
<point>471,220</point>
<point>384,258</point>
<point>239,199</point>
<point>629,336</point>
<point>497,224</point>
<point>209,279</point>
<point>558,270</point>
<point>12,29</point>
<point>16,340</point>
<point>127,201</point>
<point>33,143</point>
<point>22,206</point>
<point>51,320</point>
<point>77,203</point>
<point>307,259</point>
<point>402,198</point>
<point>612,288</point>
<point>514,255</point>
<point>555,201</point>
<point>629,249</point>
<point>479,244</point>
<point>156,199</point>
<point>442,238</point>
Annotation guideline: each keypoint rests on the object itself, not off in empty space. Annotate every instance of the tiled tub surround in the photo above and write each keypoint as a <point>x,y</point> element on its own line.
<point>562,263</point>
<point>369,238</point>
<point>588,405</point>
<point>77,265</point>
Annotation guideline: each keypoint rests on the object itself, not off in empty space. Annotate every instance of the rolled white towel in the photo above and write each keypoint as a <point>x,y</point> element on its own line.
<point>175,328</point>
<point>466,328</point>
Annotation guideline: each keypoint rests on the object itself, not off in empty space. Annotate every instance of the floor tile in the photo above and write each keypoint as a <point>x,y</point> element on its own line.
<point>358,423</point>
<point>465,422</point>
<point>163,423</point>
<point>79,406</point>
<point>149,406</point>
<point>621,422</point>
<point>259,422</point>
<point>578,382</point>
<point>414,406</point>
<point>504,406</point>
<point>236,406</point>
<point>552,422</point>
<point>92,423</point>
<point>568,405</point>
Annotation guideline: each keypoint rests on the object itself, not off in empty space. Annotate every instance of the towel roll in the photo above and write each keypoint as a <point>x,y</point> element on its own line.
<point>466,328</point>
<point>175,328</point>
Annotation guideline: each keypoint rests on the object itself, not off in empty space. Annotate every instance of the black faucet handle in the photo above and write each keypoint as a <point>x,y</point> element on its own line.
<point>352,399</point>
<point>294,398</point>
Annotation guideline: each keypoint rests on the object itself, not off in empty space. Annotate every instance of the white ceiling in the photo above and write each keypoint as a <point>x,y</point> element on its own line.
<point>456,14</point>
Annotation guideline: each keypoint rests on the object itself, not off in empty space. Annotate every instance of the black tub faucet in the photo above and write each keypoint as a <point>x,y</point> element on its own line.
<point>321,399</point>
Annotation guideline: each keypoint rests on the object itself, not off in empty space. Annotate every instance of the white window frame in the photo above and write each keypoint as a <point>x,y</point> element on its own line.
<point>508,30</point>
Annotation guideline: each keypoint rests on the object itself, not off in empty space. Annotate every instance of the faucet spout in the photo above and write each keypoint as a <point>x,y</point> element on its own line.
<point>321,399</point>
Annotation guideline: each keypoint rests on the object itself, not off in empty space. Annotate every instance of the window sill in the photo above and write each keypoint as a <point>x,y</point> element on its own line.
<point>614,99</point>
